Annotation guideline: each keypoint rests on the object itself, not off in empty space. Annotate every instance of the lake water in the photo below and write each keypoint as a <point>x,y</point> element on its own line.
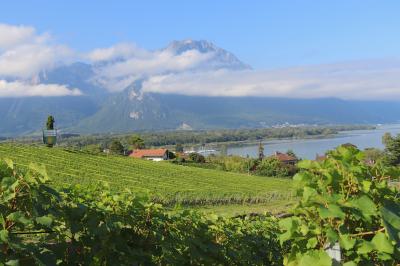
<point>309,148</point>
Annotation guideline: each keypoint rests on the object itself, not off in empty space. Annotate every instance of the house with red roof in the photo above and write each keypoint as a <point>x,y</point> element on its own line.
<point>285,158</point>
<point>150,154</point>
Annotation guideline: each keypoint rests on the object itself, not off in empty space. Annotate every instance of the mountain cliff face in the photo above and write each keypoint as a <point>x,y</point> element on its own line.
<point>221,58</point>
<point>99,110</point>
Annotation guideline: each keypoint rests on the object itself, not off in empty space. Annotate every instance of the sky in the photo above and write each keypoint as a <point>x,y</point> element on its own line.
<point>270,36</point>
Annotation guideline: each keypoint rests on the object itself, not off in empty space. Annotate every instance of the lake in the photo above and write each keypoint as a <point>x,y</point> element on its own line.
<point>309,148</point>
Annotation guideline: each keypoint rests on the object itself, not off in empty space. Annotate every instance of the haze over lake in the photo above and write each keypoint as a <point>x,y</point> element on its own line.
<point>309,148</point>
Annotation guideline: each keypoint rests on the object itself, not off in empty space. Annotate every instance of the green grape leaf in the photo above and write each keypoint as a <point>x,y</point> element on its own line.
<point>365,247</point>
<point>333,211</point>
<point>315,258</point>
<point>312,242</point>
<point>18,217</point>
<point>365,205</point>
<point>347,242</point>
<point>391,220</point>
<point>3,236</point>
<point>44,220</point>
<point>9,163</point>
<point>382,243</point>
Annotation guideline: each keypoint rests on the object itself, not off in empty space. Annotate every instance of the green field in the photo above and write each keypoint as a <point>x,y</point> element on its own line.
<point>164,182</point>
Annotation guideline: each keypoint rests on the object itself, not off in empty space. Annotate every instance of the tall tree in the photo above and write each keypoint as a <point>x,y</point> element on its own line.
<point>260,151</point>
<point>116,147</point>
<point>50,122</point>
<point>392,149</point>
<point>136,142</point>
<point>179,147</point>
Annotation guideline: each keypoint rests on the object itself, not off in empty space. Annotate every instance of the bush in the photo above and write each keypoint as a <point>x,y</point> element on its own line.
<point>345,201</point>
<point>273,167</point>
<point>116,147</point>
<point>197,158</point>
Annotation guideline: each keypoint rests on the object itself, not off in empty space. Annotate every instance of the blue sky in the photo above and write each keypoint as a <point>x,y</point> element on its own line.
<point>264,34</point>
<point>346,49</point>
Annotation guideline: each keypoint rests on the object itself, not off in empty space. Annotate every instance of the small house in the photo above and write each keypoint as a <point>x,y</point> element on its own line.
<point>285,158</point>
<point>151,154</point>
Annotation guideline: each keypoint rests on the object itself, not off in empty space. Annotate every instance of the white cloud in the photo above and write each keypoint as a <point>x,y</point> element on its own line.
<point>122,50</point>
<point>22,89</point>
<point>24,53</point>
<point>134,63</point>
<point>27,60</point>
<point>13,35</point>
<point>378,79</point>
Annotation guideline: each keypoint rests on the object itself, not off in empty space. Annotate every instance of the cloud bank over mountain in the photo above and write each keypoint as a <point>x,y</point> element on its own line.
<point>364,80</point>
<point>23,54</point>
<point>184,67</point>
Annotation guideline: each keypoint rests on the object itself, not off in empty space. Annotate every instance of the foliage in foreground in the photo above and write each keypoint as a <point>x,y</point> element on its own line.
<point>343,201</point>
<point>348,202</point>
<point>94,226</point>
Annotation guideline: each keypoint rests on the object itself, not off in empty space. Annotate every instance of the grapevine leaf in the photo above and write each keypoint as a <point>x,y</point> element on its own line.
<point>44,220</point>
<point>365,205</point>
<point>365,247</point>
<point>9,163</point>
<point>346,242</point>
<point>18,217</point>
<point>333,211</point>
<point>391,220</point>
<point>382,244</point>
<point>2,221</point>
<point>312,242</point>
<point>315,258</point>
<point>12,263</point>
<point>331,235</point>
<point>4,236</point>
<point>366,185</point>
<point>305,164</point>
<point>309,193</point>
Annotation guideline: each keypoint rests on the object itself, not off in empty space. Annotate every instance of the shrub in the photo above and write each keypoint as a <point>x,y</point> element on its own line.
<point>197,157</point>
<point>273,167</point>
<point>344,201</point>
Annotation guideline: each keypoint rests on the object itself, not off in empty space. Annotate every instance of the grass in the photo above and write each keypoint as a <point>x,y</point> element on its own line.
<point>165,182</point>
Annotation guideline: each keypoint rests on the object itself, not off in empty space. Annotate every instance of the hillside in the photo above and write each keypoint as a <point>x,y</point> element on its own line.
<point>165,182</point>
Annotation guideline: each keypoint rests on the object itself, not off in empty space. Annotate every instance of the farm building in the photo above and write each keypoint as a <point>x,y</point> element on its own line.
<point>151,154</point>
<point>285,158</point>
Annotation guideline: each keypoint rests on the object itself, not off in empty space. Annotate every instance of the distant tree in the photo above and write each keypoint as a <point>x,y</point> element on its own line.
<point>116,147</point>
<point>272,167</point>
<point>136,142</point>
<point>291,153</point>
<point>197,157</point>
<point>179,147</point>
<point>260,151</point>
<point>373,155</point>
<point>392,149</point>
<point>50,122</point>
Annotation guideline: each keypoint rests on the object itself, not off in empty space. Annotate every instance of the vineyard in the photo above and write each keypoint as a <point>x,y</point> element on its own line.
<point>166,183</point>
<point>347,214</point>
